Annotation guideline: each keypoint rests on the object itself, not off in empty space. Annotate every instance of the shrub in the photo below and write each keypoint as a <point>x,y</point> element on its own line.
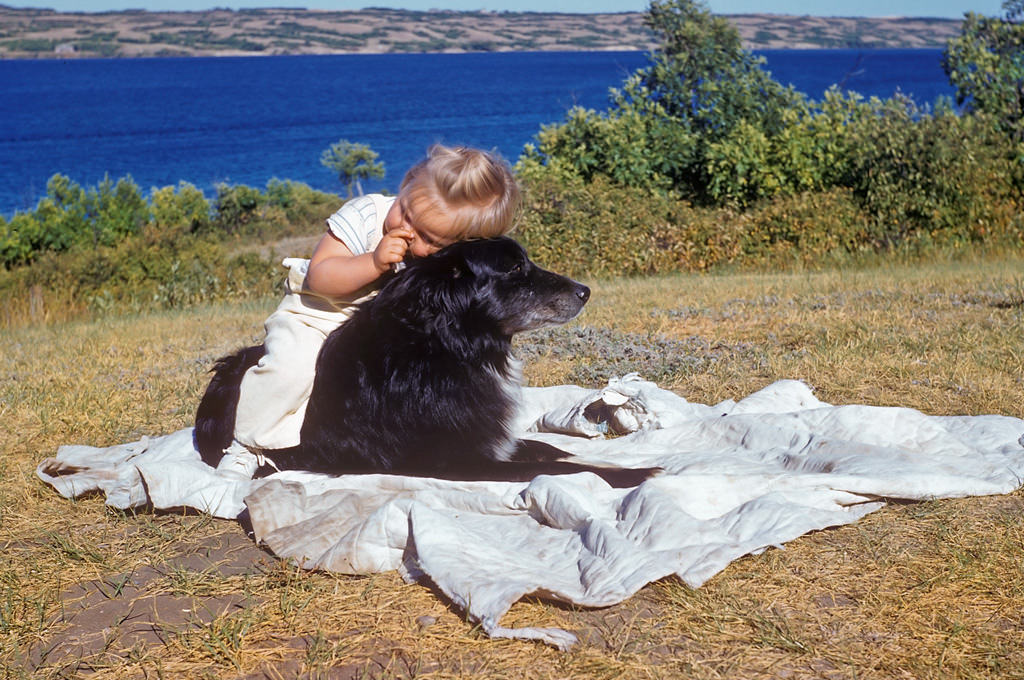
<point>21,240</point>
<point>301,204</point>
<point>599,228</point>
<point>626,144</point>
<point>703,121</point>
<point>116,210</point>
<point>927,174</point>
<point>775,177</point>
<point>701,101</point>
<point>70,216</point>
<point>701,75</point>
<point>137,275</point>
<point>184,210</point>
<point>813,229</point>
<point>240,210</point>
<point>62,215</point>
<point>235,207</point>
<point>106,248</point>
<point>985,64</point>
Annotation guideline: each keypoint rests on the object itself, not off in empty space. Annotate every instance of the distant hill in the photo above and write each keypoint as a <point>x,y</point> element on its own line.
<point>38,33</point>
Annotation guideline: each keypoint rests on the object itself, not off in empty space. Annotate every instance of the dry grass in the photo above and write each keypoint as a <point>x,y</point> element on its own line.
<point>926,590</point>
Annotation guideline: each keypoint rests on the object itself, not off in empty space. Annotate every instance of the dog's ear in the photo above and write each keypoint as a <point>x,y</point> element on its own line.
<point>457,260</point>
<point>485,257</point>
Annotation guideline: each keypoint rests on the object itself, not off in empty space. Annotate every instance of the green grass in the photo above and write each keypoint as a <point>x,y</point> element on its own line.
<point>924,590</point>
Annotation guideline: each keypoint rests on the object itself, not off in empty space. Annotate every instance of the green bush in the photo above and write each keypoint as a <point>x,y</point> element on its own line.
<point>117,210</point>
<point>184,210</point>
<point>935,175</point>
<point>631,146</point>
<point>21,239</point>
<point>812,229</point>
<point>301,204</point>
<point>785,178</point>
<point>62,215</point>
<point>71,217</point>
<point>680,120</point>
<point>107,248</point>
<point>600,228</point>
<point>597,227</point>
<point>810,151</point>
<point>702,76</point>
<point>138,275</point>
<point>236,207</point>
<point>242,211</point>
<point>985,64</point>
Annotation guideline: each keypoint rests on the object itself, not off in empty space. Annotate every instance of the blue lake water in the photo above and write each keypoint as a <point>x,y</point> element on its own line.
<point>246,120</point>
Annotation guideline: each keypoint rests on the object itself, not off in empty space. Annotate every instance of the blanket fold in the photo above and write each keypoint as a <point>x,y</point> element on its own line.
<point>740,477</point>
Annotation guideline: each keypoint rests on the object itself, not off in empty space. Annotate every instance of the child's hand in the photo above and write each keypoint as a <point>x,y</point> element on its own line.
<point>392,248</point>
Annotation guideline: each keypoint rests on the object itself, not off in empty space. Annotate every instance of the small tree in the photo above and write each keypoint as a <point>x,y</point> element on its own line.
<point>703,76</point>
<point>669,124</point>
<point>352,162</point>
<point>985,64</point>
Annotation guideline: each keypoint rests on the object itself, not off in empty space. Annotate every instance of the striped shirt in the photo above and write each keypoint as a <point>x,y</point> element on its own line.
<point>359,224</point>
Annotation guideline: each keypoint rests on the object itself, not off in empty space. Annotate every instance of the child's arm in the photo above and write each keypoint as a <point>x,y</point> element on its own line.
<point>335,271</point>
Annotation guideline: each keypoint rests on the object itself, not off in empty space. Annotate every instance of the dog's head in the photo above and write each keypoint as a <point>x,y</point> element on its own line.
<point>483,286</point>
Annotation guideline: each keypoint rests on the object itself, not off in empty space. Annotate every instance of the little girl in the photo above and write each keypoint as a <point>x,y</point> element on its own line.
<point>454,193</point>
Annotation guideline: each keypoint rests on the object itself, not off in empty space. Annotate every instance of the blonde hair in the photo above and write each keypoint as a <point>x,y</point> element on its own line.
<point>472,190</point>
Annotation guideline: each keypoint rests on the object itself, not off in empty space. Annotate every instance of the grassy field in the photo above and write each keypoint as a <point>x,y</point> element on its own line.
<point>921,590</point>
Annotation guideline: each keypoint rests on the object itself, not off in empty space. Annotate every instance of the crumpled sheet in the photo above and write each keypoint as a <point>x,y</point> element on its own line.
<point>739,477</point>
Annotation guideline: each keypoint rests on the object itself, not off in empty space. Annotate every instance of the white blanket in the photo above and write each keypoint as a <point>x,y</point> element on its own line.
<point>739,477</point>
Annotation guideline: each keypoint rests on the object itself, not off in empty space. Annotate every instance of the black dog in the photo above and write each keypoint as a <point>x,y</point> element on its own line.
<point>420,380</point>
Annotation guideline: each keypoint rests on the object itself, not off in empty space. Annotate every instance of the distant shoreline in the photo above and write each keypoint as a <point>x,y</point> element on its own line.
<point>46,34</point>
<point>263,55</point>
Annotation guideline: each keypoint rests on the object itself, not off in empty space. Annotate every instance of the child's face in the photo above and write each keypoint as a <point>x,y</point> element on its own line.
<point>428,228</point>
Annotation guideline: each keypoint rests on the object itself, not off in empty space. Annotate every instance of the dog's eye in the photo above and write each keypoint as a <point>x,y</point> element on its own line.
<point>515,268</point>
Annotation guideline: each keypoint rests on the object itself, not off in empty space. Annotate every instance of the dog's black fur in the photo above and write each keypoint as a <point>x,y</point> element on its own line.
<point>420,380</point>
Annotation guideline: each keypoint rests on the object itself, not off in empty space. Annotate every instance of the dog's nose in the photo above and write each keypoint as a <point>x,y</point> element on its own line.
<point>582,292</point>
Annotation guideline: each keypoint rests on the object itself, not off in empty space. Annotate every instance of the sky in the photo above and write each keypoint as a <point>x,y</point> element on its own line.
<point>864,8</point>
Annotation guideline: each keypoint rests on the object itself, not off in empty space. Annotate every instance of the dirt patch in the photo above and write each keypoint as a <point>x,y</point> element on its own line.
<point>292,246</point>
<point>130,613</point>
<point>197,589</point>
<point>630,627</point>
